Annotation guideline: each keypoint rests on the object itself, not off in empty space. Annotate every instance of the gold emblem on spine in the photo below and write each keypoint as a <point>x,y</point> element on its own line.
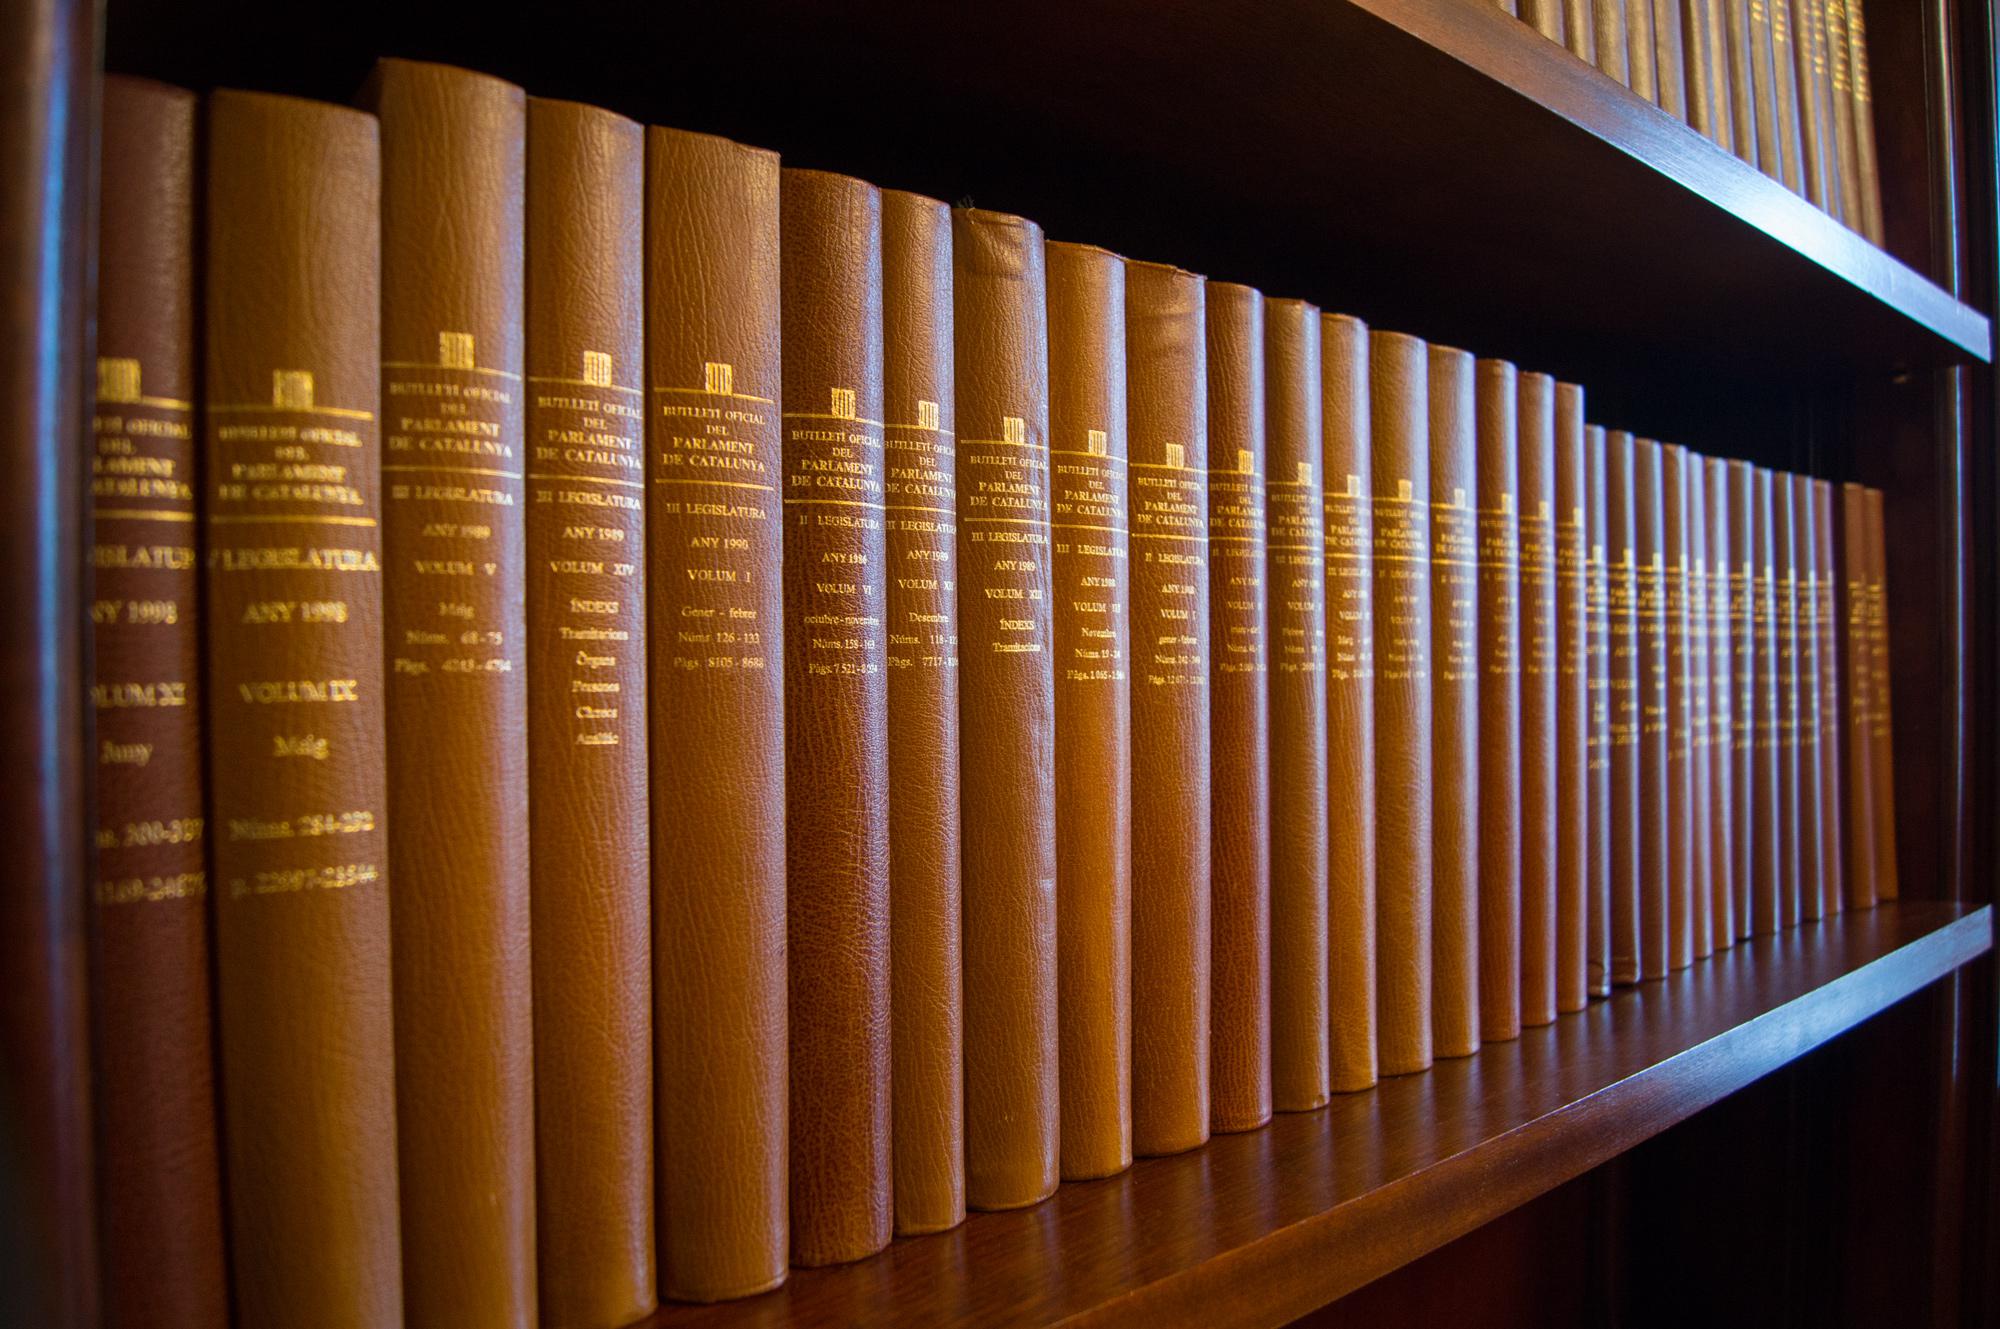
<point>842,406</point>
<point>455,350</point>
<point>1506,503</point>
<point>1305,472</point>
<point>117,379</point>
<point>1013,429</point>
<point>718,378</point>
<point>1457,497</point>
<point>1097,443</point>
<point>1403,491</point>
<point>1246,462</point>
<point>927,415</point>
<point>292,389</point>
<point>597,369</point>
<point>1177,455</point>
<point>1542,510</point>
<point>1353,486</point>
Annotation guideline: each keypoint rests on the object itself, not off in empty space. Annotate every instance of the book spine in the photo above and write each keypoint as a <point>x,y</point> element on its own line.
<point>1093,641</point>
<point>1708,109</point>
<point>837,731</point>
<point>1701,834</point>
<point>1642,62</point>
<point>586,610</point>
<point>1762,83</point>
<point>1454,703</point>
<point>1867,172</point>
<point>1674,607</point>
<point>1794,165</point>
<point>1350,703</point>
<point>1572,726</point>
<point>1500,830</point>
<point>1656,803</point>
<point>1832,768</point>
<point>1746,714</point>
<point>715,615</point>
<point>1536,439</point>
<point>158,1164</point>
<point>1732,20</point>
<point>1857,688</point>
<point>1597,636</point>
<point>1840,101</point>
<point>1881,761</point>
<point>1622,600</point>
<point>1821,160</point>
<point>1239,715</point>
<point>1167,391</point>
<point>1767,864</point>
<point>1579,32</point>
<point>1805,661</point>
<point>1295,584</point>
<point>1545,17</point>
<point>1785,666</point>
<point>1607,25</point>
<point>295,664</point>
<point>920,527</point>
<point>1722,671</point>
<point>1670,45</point>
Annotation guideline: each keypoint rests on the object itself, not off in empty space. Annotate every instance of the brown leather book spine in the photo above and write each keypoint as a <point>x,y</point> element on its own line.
<point>1832,767</point>
<point>1597,651</point>
<point>1399,461</point>
<point>1093,636</point>
<point>837,727</point>
<point>1642,62</point>
<point>1536,439</point>
<point>587,832</point>
<point>1881,761</point>
<point>1805,661</point>
<point>158,1169</point>
<point>1545,17</point>
<point>1167,399</point>
<point>1732,19</point>
<point>454,162</point>
<point>1767,860</point>
<point>1840,99</point>
<point>1350,703</point>
<point>1858,842</point>
<point>1794,165</point>
<point>1572,724</point>
<point>1821,160</point>
<point>1656,811</point>
<point>1701,832</point>
<point>1746,714</point>
<point>1763,73</point>
<point>920,529</point>
<point>1721,567</point>
<point>1454,435</point>
<point>1622,601</point>
<point>1498,425</point>
<point>1785,664</point>
<point>1707,102</point>
<point>1674,608</point>
<point>299,782</point>
<point>1607,26</point>
<point>1239,1037</point>
<point>1670,45</point>
<point>715,616</point>
<point>1578,30</point>
<point>1867,172</point>
<point>1295,605</point>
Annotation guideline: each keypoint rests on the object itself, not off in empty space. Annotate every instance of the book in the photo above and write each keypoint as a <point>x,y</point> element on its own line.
<point>1745,699</point>
<point>1867,172</point>
<point>292,381</point>
<point>1454,442</point>
<point>1597,651</point>
<point>1167,412</point>
<point>920,542</point>
<point>1832,718</point>
<point>1881,726</point>
<point>1675,574</point>
<point>1701,832</point>
<point>1763,74</point>
<point>1539,687</point>
<point>716,620</point>
<point>1350,703</point>
<point>1545,17</point>
<point>1818,162</point>
<point>1722,675</point>
<point>160,1244</point>
<point>1840,98</point>
<point>1500,829</point>
<point>1805,661</point>
<point>1787,116</point>
<point>1399,463</point>
<point>1622,613</point>
<point>1656,797</point>
<point>1607,24</point>
<point>1733,20</point>
<point>588,837</point>
<point>1579,29</point>
<point>1239,1078</point>
<point>1091,534</point>
<point>1572,723</point>
<point>1707,72</point>
<point>1295,608</point>
<point>1785,668</point>
<point>1858,847</point>
<point>1766,864</point>
<point>836,726</point>
<point>1670,45</point>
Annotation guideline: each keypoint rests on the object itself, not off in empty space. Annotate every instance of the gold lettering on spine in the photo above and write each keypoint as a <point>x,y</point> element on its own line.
<point>1003,503</point>
<point>920,506</point>
<point>1169,505</point>
<point>1237,538</point>
<point>1093,552</point>
<point>1350,618</point>
<point>834,482</point>
<point>1295,555</point>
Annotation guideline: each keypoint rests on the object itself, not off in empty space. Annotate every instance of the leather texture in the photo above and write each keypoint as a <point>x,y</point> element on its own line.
<point>1708,72</point>
<point>1167,401</point>
<point>1400,463</point>
<point>1655,797</point>
<point>1806,726</point>
<point>589,847</point>
<point>1832,727</point>
<point>1607,26</point>
<point>1840,106</point>
<point>1239,1084</point>
<point>295,713</point>
<point>1858,691</point>
<point>1454,495</point>
<point>1577,33</point>
<point>1745,705</point>
<point>1597,651</point>
<point>1701,864</point>
<point>1090,531</point>
<point>158,1167</point>
<point>1545,17</point>
<point>714,537</point>
<point>1738,80</point>
<point>1865,166</point>
<point>1784,91</point>
<point>1767,858</point>
<point>836,718</point>
<point>1535,468</point>
<point>1808,37</point>
<point>1007,712</point>
<point>1295,605</point>
<point>1622,613</point>
<point>1881,720</point>
<point>1572,717</point>
<point>1674,607</point>
<point>1785,665</point>
<point>1348,519</point>
<point>1642,62</point>
<point>1497,388</point>
<point>1669,58</point>
<point>920,516</point>
<point>1721,699</point>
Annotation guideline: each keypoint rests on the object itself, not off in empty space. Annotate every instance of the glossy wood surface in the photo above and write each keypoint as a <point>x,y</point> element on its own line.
<point>1261,1227</point>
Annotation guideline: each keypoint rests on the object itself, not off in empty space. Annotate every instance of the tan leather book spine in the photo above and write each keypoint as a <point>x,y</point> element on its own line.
<point>1579,29</point>
<point>1867,171</point>
<point>920,542</point>
<point>1674,607</point>
<point>1858,842</point>
<point>1881,729</point>
<point>1607,27</point>
<point>1763,80</point>
<point>837,724</point>
<point>1239,1079</point>
<point>1167,395</point>
<point>1670,45</point>
<point>1840,99</point>
<point>1785,664</point>
<point>1572,725</point>
<point>1454,471</point>
<point>1701,834</point>
<point>1707,103</point>
<point>588,838</point>
<point>1091,532</point>
<point>1545,17</point>
<point>1819,163</point>
<point>158,1168</point>
<point>1536,439</point>
<point>1733,20</point>
<point>291,384</point>
<point>1767,861</point>
<point>1832,766</point>
<point>715,617</point>
<point>1722,673</point>
<point>1510,7</point>
<point>1746,714</point>
<point>1794,163</point>
<point>1295,605</point>
<point>1656,811</point>
<point>1597,651</point>
<point>1498,428</point>
<point>1622,600</point>
<point>1805,660</point>
<point>1350,703</point>
<point>1642,63</point>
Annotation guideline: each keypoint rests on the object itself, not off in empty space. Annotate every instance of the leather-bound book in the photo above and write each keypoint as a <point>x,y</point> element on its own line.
<point>715,596</point>
<point>1571,797</point>
<point>1622,612</point>
<point>1607,30</point>
<point>1545,17</point>
<point>1350,703</point>
<point>1767,855</point>
<point>1806,728</point>
<point>1722,569</point>
<point>1858,840</point>
<point>1744,712</point>
<point>1399,461</point>
<point>1295,609</point>
<point>1840,98</point>
<point>291,390</point>
<point>1881,762</point>
<point>1679,693</point>
<point>920,528</point>
<point>1821,160</point>
<point>1093,643</point>
<point>1167,396</point>
<point>1786,114</point>
<point>1832,735</point>
<point>1707,72</point>
<point>1701,838</point>
<point>1656,810</point>
<point>1867,172</point>
<point>158,1168</point>
<point>1763,91</point>
<point>837,719</point>
<point>1239,1080</point>
<point>1670,44</point>
<point>1498,426</point>
<point>587,830</point>
<point>1785,667</point>
<point>1540,658</point>
<point>454,165</point>
<point>1738,80</point>
<point>1642,63</point>
<point>1597,652</point>
<point>1454,440</point>
<point>1579,29</point>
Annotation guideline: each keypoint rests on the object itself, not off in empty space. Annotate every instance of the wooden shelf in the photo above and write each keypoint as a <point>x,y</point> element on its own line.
<point>1261,1227</point>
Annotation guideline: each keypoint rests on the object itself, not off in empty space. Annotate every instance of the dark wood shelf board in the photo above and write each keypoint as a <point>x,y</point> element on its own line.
<point>1260,1227</point>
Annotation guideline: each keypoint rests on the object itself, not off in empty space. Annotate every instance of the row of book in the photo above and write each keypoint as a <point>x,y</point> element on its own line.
<point>1783,84</point>
<point>731,714</point>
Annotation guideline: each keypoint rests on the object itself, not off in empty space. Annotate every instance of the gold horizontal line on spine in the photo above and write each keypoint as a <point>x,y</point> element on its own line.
<point>1161,535</point>
<point>1402,558</point>
<point>1006,521</point>
<point>1086,526</point>
<point>1003,443</point>
<point>1295,549</point>
<point>939,430</point>
<point>403,468</point>
<point>1291,484</point>
<point>1168,466</point>
<point>732,396</point>
<point>585,383</point>
<point>298,519</point>
<point>920,507</point>
<point>1094,456</point>
<point>141,514</point>
<point>585,480</point>
<point>838,502</point>
<point>723,484</point>
<point>828,415</point>
<point>159,403</point>
<point>452,369</point>
<point>1247,539</point>
<point>1455,562</point>
<point>265,408</point>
